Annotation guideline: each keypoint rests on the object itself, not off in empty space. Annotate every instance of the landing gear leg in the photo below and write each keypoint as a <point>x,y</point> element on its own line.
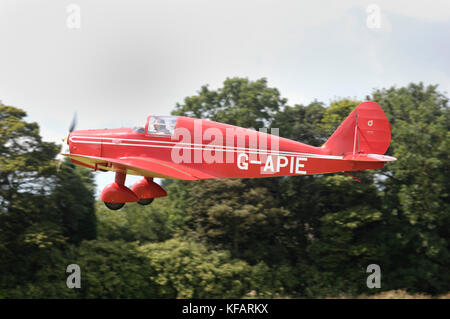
<point>115,195</point>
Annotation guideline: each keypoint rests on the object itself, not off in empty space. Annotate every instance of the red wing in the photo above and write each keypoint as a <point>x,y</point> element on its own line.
<point>143,166</point>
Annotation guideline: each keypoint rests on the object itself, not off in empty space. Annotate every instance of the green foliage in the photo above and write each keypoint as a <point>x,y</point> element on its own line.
<point>348,237</point>
<point>239,102</point>
<point>235,215</point>
<point>185,269</point>
<point>416,191</point>
<point>74,198</point>
<point>34,227</point>
<point>302,123</point>
<point>25,160</point>
<point>114,269</point>
<point>161,220</point>
<point>133,223</point>
<point>336,113</point>
<point>46,278</point>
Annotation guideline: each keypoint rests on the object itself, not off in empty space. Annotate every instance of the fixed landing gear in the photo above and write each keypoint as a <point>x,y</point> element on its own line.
<point>116,194</point>
<point>114,206</point>
<point>145,201</point>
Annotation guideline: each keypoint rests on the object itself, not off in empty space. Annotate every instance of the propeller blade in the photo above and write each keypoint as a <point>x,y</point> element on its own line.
<point>73,124</point>
<point>72,127</point>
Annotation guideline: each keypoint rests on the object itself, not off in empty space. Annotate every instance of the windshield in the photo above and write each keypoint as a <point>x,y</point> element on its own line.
<point>139,129</point>
<point>162,125</point>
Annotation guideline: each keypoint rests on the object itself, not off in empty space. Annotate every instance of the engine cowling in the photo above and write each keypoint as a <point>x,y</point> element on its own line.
<point>147,188</point>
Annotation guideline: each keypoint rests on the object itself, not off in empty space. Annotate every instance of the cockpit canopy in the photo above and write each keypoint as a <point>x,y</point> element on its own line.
<point>164,125</point>
<point>160,125</point>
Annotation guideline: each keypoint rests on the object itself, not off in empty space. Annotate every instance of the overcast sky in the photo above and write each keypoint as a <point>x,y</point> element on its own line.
<point>129,59</point>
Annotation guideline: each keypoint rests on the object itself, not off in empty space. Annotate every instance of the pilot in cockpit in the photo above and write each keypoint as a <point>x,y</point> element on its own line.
<point>160,127</point>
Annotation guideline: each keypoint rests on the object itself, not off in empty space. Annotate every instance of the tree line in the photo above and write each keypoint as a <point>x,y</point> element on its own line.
<point>301,236</point>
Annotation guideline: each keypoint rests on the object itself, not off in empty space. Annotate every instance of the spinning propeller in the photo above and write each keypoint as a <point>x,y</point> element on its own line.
<point>72,126</point>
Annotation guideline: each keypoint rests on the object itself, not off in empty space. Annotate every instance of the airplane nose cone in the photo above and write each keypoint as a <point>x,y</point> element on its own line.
<point>67,143</point>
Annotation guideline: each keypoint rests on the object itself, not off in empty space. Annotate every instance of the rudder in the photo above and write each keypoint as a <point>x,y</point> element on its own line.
<point>365,131</point>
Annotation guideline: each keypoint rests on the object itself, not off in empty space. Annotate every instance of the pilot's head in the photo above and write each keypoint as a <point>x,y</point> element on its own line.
<point>159,125</point>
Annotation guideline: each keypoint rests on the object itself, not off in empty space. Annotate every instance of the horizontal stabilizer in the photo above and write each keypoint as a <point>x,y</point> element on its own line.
<point>369,158</point>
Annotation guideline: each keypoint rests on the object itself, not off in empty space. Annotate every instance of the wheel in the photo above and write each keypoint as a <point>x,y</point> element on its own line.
<point>114,206</point>
<point>145,201</point>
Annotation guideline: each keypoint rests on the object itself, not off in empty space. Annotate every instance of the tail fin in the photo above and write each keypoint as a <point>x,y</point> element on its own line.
<point>365,131</point>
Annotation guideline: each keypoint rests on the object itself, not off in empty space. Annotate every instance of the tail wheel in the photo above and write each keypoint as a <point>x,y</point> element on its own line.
<point>145,201</point>
<point>114,206</point>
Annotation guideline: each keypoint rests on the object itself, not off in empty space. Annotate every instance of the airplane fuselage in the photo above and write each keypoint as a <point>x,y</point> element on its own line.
<point>209,149</point>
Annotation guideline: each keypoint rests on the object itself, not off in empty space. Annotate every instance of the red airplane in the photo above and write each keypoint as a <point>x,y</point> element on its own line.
<point>179,147</point>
